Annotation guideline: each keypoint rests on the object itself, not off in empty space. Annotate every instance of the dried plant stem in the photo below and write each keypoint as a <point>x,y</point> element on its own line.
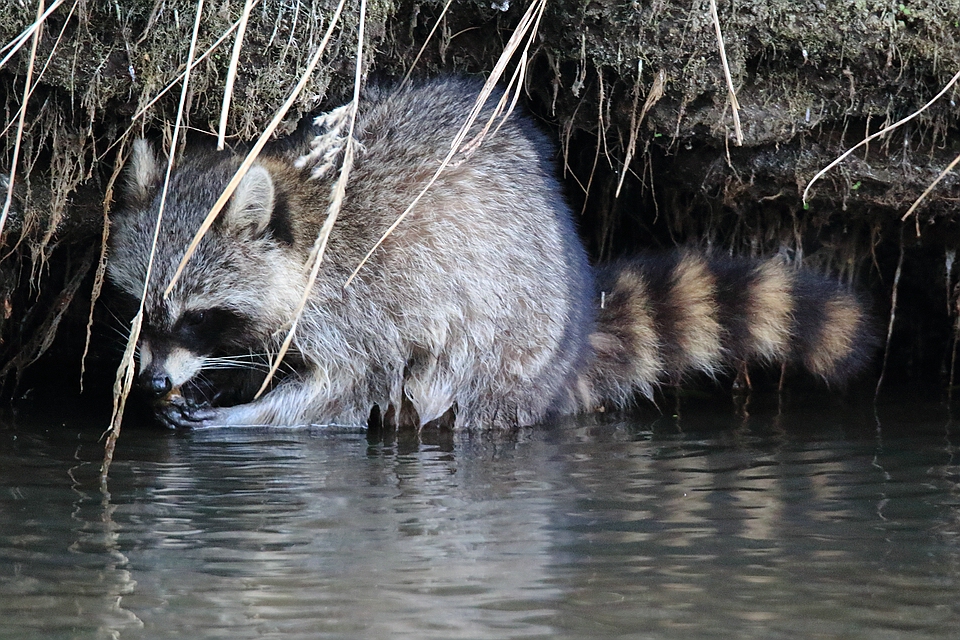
<point>232,72</point>
<point>528,25</point>
<point>436,24</point>
<point>893,316</point>
<point>879,133</point>
<point>926,192</point>
<point>339,191</point>
<point>734,103</point>
<point>198,60</point>
<point>17,43</point>
<point>124,381</point>
<point>21,123</point>
<point>46,64</point>
<point>102,262</point>
<point>255,151</point>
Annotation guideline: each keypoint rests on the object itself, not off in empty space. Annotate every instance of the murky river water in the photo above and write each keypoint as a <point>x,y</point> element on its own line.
<point>818,521</point>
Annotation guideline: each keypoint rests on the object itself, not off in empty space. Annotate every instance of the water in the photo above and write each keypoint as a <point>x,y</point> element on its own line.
<point>810,522</point>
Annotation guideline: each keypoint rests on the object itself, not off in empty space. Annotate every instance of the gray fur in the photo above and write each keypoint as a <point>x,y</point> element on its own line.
<point>479,302</point>
<point>479,305</point>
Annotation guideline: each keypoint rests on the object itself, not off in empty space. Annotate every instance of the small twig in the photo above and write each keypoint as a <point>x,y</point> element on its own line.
<point>232,72</point>
<point>124,381</point>
<point>879,133</point>
<point>734,104</point>
<point>339,190</point>
<point>27,88</point>
<point>255,151</point>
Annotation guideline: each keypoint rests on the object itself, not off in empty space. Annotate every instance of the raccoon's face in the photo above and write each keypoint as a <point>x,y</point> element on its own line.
<point>200,356</point>
<point>209,338</point>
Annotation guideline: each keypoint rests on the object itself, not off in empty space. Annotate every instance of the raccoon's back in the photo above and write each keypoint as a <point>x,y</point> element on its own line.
<point>483,293</point>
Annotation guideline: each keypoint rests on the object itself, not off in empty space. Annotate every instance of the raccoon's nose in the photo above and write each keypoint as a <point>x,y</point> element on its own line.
<point>156,382</point>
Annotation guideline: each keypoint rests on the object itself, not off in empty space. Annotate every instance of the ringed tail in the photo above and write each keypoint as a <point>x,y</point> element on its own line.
<point>662,318</point>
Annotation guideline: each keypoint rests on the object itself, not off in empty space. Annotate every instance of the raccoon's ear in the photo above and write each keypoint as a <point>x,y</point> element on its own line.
<point>143,174</point>
<point>251,206</point>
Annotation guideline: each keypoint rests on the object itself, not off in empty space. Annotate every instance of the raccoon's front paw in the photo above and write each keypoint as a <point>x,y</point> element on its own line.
<point>180,413</point>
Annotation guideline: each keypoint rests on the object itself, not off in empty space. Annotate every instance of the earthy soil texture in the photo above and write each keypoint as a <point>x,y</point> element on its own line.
<point>635,94</point>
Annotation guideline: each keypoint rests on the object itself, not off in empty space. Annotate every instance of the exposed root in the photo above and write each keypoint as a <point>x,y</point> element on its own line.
<point>893,316</point>
<point>926,192</point>
<point>653,96</point>
<point>100,274</point>
<point>879,133</point>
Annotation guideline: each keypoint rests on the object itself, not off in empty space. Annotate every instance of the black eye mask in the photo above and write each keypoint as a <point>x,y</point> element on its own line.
<point>206,330</point>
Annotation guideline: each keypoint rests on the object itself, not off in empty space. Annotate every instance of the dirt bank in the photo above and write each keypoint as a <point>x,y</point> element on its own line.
<point>635,94</point>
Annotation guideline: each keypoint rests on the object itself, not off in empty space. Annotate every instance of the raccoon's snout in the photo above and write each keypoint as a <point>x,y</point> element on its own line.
<point>155,382</point>
<point>164,368</point>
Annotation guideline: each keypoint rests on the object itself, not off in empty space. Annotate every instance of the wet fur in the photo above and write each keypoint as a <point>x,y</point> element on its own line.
<point>481,305</point>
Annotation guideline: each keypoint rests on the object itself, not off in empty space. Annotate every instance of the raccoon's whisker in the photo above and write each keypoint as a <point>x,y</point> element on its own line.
<point>236,366</point>
<point>257,364</point>
<point>203,387</point>
<point>236,361</point>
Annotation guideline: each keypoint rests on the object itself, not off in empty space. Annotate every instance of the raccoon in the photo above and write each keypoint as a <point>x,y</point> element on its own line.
<point>480,309</point>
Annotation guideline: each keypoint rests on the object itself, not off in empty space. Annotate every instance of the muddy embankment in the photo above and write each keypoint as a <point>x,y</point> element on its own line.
<point>635,94</point>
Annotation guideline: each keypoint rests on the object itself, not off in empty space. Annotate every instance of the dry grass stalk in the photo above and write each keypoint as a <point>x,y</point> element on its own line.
<point>102,261</point>
<point>656,92</point>
<point>339,191</point>
<point>124,381</point>
<point>530,19</point>
<point>21,123</point>
<point>926,192</point>
<point>879,133</point>
<point>512,90</point>
<point>213,47</point>
<point>46,64</point>
<point>255,151</point>
<point>17,43</point>
<point>232,72</point>
<point>893,316</point>
<point>436,24</point>
<point>734,103</point>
